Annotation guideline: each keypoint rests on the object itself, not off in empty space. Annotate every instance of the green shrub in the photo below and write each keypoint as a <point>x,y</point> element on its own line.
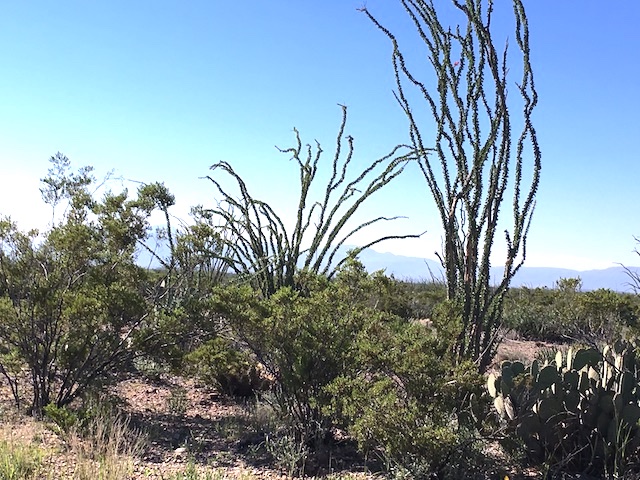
<point>533,314</point>
<point>407,399</point>
<point>567,314</point>
<point>226,365</point>
<point>606,315</point>
<point>64,419</point>
<point>423,297</point>
<point>71,297</point>
<point>305,338</point>
<point>340,358</point>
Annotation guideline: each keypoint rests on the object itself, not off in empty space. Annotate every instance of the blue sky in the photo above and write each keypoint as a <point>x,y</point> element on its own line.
<point>159,91</point>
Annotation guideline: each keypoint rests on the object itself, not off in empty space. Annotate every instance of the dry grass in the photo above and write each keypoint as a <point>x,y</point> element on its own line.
<point>106,448</point>
<point>193,434</point>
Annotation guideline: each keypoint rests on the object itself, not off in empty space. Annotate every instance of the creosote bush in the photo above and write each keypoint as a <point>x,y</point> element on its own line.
<point>409,400</point>
<point>303,338</point>
<point>340,358</point>
<point>71,298</point>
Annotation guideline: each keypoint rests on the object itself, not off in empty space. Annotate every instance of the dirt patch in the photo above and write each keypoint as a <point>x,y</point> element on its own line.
<point>188,422</point>
<point>523,350</point>
<point>189,428</point>
<point>189,425</point>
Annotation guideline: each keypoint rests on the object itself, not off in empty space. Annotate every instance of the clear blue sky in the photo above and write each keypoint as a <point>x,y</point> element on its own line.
<point>161,90</point>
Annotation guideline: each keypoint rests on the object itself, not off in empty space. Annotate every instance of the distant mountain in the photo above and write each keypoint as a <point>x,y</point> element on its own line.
<point>423,269</point>
<point>412,268</point>
<point>614,278</point>
<point>401,267</point>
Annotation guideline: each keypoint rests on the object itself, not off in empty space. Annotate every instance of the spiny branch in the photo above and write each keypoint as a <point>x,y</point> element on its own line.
<point>264,251</point>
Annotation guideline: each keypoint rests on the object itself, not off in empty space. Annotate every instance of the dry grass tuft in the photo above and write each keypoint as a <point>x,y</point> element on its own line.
<point>106,448</point>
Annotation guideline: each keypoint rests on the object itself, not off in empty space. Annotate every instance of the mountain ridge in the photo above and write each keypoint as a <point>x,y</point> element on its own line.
<point>410,268</point>
<point>419,269</point>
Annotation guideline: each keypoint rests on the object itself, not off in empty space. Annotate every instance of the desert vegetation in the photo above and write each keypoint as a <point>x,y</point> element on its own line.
<point>248,348</point>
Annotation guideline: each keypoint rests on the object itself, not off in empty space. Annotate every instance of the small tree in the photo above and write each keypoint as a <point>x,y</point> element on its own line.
<point>469,161</point>
<point>259,244</point>
<point>71,298</point>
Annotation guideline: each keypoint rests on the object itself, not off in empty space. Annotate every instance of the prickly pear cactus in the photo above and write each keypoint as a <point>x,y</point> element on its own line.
<point>581,410</point>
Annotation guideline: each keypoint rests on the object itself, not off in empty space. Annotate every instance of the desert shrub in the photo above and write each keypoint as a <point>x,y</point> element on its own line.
<point>149,368</point>
<point>424,297</point>
<point>170,333</point>
<point>546,314</point>
<point>70,299</point>
<point>181,319</point>
<point>62,419</point>
<point>606,315</point>
<point>76,418</point>
<point>391,296</point>
<point>533,315</point>
<point>305,338</point>
<point>340,358</point>
<point>228,366</point>
<point>567,314</point>
<point>408,299</point>
<point>406,398</point>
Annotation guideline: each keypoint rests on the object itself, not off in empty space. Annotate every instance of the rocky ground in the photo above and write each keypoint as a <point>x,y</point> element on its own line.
<point>190,432</point>
<point>193,432</point>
